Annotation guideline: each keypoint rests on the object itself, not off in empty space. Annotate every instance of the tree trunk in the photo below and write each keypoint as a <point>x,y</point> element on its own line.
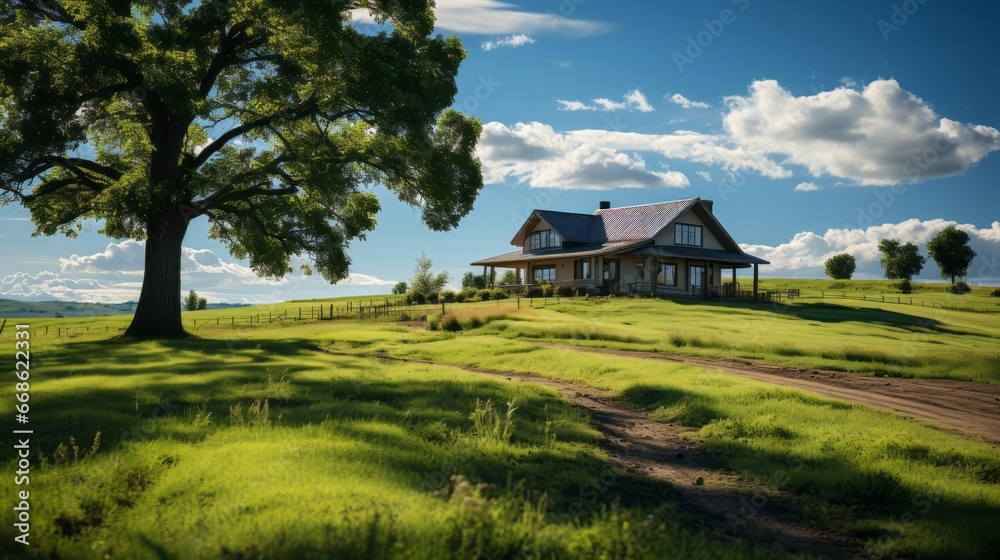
<point>158,314</point>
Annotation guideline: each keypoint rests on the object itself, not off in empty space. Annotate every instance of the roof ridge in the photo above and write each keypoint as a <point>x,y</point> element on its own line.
<point>647,204</point>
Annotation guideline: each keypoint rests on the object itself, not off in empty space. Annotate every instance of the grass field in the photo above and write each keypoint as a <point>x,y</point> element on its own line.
<point>251,442</point>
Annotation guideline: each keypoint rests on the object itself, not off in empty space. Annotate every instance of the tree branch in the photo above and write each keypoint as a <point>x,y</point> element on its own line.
<point>295,114</point>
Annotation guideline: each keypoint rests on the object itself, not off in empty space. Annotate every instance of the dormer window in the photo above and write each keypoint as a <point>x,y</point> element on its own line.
<point>544,239</point>
<point>687,234</point>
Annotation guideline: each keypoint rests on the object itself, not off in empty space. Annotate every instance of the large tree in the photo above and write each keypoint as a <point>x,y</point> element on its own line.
<point>950,250</point>
<point>900,261</point>
<point>269,119</point>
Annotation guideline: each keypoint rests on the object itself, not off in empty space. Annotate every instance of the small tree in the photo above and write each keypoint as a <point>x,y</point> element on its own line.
<point>509,277</point>
<point>202,304</point>
<point>950,250</point>
<point>191,301</point>
<point>424,282</point>
<point>841,267</point>
<point>473,280</point>
<point>400,288</point>
<point>900,262</point>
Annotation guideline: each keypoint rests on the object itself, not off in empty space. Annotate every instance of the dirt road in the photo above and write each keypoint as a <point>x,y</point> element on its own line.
<point>971,409</point>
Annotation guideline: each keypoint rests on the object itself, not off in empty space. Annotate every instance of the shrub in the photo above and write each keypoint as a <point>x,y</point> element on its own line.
<point>533,292</point>
<point>433,321</point>
<point>564,291</point>
<point>484,294</point>
<point>959,288</point>
<point>473,323</point>
<point>449,322</point>
<point>460,297</point>
<point>996,293</point>
<point>470,294</point>
<point>447,297</point>
<point>906,286</point>
<point>546,289</point>
<point>416,298</point>
<point>498,293</point>
<point>432,297</point>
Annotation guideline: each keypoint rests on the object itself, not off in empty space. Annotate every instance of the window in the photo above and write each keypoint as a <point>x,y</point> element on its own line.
<point>640,272</point>
<point>581,269</point>
<point>667,275</point>
<point>544,274</point>
<point>686,234</point>
<point>543,240</point>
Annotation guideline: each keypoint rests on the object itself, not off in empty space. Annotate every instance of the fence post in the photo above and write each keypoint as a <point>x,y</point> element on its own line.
<point>519,303</point>
<point>268,316</point>
<point>300,313</point>
<point>331,311</point>
<point>233,318</point>
<point>46,330</point>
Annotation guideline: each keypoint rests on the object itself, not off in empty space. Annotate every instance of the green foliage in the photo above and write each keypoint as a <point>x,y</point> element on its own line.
<point>841,267</point>
<point>191,301</point>
<point>900,262</point>
<point>509,277</point>
<point>484,294</point>
<point>951,251</point>
<point>473,280</point>
<point>996,292</point>
<point>400,288</point>
<point>449,322</point>
<point>202,304</point>
<point>425,282</point>
<point>906,286</point>
<point>318,111</point>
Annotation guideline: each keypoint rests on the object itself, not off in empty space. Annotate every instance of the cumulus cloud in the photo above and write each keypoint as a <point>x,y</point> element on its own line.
<point>878,135</point>
<point>686,103</point>
<point>115,275</point>
<point>634,100</point>
<point>492,17</point>
<point>807,187</point>
<point>805,254</point>
<point>512,41</point>
<point>535,154</point>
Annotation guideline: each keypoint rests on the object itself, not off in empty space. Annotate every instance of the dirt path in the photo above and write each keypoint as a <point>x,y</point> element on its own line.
<point>971,409</point>
<point>658,450</point>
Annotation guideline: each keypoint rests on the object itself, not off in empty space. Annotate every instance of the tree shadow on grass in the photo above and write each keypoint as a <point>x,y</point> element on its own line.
<point>829,313</point>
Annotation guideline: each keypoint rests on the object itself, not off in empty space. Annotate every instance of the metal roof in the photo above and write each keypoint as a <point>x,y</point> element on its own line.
<point>682,252</point>
<point>570,226</point>
<point>628,223</point>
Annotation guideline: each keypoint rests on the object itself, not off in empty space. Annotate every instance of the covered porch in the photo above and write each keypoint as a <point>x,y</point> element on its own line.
<point>698,272</point>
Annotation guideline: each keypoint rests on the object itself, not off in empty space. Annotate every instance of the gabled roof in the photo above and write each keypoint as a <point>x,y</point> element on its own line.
<point>628,223</point>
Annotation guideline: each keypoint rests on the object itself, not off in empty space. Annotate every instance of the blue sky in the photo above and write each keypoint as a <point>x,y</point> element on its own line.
<point>816,127</point>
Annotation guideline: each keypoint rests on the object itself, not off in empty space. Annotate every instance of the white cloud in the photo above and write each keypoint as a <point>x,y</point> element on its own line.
<point>634,100</point>
<point>807,187</point>
<point>704,175</point>
<point>115,275</point>
<point>512,41</point>
<point>806,253</point>
<point>536,154</point>
<point>880,135</point>
<point>687,103</point>
<point>492,17</point>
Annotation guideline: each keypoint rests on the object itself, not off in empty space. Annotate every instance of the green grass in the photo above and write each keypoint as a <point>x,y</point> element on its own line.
<point>905,487</point>
<point>927,293</point>
<point>260,446</point>
<point>248,442</point>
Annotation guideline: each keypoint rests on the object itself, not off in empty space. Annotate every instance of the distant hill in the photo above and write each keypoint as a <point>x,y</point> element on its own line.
<point>12,308</point>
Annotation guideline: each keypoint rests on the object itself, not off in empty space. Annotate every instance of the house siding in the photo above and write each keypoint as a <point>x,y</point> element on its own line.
<point>708,240</point>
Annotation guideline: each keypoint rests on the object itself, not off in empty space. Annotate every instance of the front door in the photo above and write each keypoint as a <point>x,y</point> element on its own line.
<point>611,276</point>
<point>696,280</point>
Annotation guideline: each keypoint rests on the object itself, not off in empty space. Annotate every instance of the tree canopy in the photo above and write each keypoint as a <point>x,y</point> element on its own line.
<point>841,267</point>
<point>425,282</point>
<point>267,118</point>
<point>900,262</point>
<point>951,251</point>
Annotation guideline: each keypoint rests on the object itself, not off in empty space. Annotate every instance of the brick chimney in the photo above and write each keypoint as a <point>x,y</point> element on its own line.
<point>708,204</point>
<point>605,204</point>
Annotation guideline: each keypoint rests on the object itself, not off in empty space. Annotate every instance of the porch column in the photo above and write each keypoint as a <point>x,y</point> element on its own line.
<point>735,292</point>
<point>653,269</point>
<point>755,281</point>
<point>486,279</point>
<point>492,277</point>
<point>706,280</point>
